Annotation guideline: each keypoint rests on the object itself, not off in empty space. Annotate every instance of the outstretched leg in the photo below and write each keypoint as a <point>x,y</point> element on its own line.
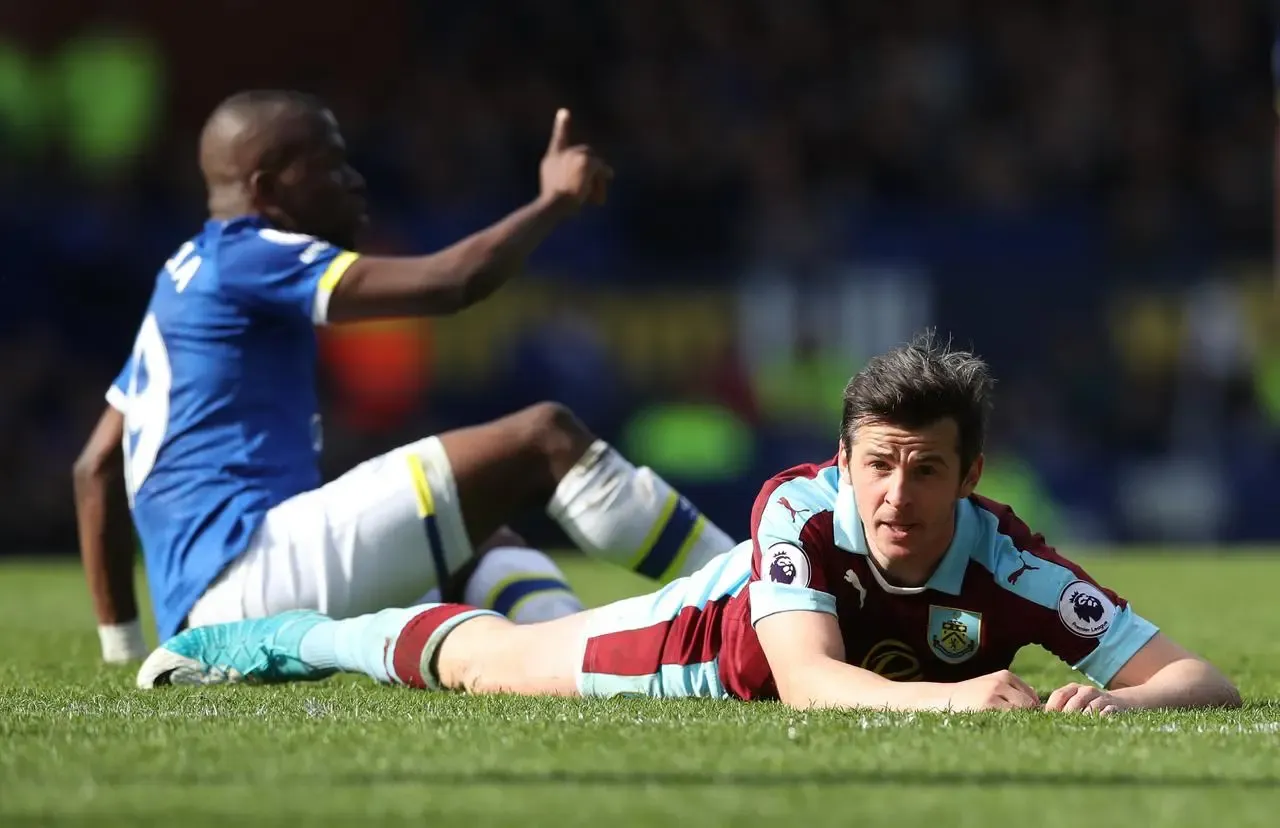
<point>433,646</point>
<point>662,644</point>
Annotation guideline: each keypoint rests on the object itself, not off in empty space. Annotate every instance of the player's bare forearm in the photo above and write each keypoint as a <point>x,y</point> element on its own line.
<point>1163,674</point>
<point>1185,683</point>
<point>454,278</point>
<point>103,523</point>
<point>806,654</point>
<point>825,682</point>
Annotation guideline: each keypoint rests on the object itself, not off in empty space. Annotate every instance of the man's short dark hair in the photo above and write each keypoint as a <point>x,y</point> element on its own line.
<point>919,384</point>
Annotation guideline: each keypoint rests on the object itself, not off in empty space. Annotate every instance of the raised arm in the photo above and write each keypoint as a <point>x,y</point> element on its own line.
<point>454,278</point>
<point>106,538</point>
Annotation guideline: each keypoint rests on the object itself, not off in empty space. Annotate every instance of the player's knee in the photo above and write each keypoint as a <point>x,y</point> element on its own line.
<point>553,430</point>
<point>504,536</point>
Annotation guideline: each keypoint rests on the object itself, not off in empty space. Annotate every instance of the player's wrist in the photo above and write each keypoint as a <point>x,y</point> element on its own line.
<point>122,642</point>
<point>556,203</point>
<point>935,696</point>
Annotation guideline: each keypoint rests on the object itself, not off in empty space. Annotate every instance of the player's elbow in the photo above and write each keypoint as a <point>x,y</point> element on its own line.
<point>446,300</point>
<point>796,696</point>
<point>444,297</point>
<point>801,685</point>
<point>479,284</point>
<point>94,467</point>
<point>450,282</point>
<point>1190,682</point>
<point>1222,691</point>
<point>102,458</point>
<point>1207,686</point>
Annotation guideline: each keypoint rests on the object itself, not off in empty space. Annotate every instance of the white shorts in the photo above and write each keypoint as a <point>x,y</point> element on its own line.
<point>382,535</point>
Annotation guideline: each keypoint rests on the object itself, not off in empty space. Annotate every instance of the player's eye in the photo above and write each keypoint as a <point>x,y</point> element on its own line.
<point>878,465</point>
<point>925,471</point>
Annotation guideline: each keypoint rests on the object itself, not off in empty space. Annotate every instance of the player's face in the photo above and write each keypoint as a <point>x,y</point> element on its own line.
<point>906,483</point>
<point>320,192</point>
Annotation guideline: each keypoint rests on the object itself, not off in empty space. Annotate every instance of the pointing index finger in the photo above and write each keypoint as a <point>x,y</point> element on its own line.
<point>560,132</point>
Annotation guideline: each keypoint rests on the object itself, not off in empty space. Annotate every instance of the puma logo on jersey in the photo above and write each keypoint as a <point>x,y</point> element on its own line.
<point>1017,573</point>
<point>795,513</point>
<point>851,577</point>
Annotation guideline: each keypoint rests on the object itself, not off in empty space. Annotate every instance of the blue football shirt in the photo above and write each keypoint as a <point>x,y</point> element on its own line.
<point>219,399</point>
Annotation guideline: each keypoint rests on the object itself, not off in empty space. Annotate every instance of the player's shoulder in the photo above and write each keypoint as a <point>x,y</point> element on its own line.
<point>816,482</point>
<point>248,246</point>
<point>799,492</point>
<point>794,497</point>
<point>1019,560</point>
<point>997,535</point>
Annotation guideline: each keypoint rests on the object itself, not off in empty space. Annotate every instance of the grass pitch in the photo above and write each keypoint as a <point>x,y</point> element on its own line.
<point>79,745</point>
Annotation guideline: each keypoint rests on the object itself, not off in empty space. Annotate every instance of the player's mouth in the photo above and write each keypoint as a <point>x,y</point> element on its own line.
<point>898,530</point>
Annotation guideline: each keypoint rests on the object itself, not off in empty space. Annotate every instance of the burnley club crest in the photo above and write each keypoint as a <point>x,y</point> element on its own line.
<point>954,634</point>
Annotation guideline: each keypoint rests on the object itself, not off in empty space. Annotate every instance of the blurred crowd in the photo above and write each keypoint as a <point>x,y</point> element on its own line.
<point>1082,191</point>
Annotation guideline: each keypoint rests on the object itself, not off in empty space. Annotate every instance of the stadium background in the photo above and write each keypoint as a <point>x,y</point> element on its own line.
<point>1082,191</point>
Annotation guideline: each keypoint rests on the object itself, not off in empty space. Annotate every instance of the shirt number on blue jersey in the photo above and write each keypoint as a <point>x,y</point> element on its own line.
<point>183,266</point>
<point>146,416</point>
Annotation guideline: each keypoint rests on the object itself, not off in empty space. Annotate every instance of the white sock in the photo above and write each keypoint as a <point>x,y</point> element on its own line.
<point>631,517</point>
<point>522,584</point>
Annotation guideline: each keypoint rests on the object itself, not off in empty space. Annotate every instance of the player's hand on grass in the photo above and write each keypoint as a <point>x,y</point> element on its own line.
<point>1001,690</point>
<point>572,173</point>
<point>1084,698</point>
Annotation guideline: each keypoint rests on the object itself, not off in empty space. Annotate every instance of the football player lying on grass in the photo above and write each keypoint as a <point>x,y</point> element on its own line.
<point>876,580</point>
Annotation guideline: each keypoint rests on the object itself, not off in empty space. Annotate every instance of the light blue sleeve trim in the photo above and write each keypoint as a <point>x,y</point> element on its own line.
<point>1128,634</point>
<point>768,598</point>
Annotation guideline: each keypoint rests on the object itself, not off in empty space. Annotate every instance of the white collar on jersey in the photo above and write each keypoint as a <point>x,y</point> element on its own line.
<point>948,577</point>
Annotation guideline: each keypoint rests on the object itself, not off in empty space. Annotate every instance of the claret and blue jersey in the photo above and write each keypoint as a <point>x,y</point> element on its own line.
<point>998,588</point>
<point>219,399</point>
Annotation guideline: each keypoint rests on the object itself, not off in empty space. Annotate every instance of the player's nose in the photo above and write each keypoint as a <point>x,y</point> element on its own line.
<point>898,494</point>
<point>356,183</point>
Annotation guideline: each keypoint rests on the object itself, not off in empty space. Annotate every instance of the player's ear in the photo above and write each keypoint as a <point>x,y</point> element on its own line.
<point>262,189</point>
<point>972,476</point>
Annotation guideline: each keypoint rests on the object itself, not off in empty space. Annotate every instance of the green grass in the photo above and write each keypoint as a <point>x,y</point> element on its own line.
<point>79,745</point>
